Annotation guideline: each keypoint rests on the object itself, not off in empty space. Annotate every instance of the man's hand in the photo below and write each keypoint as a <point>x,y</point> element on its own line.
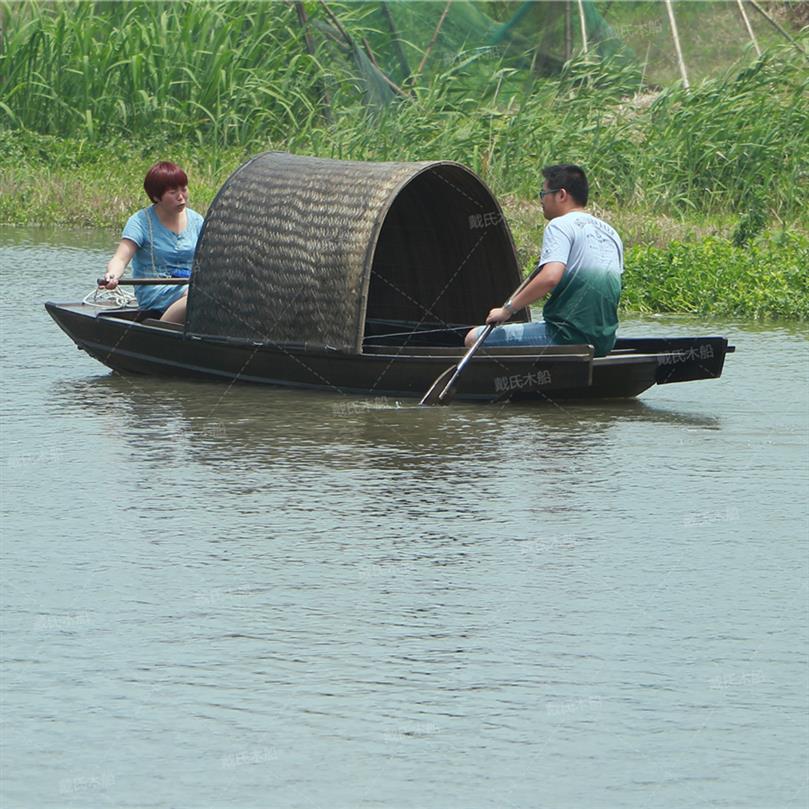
<point>498,315</point>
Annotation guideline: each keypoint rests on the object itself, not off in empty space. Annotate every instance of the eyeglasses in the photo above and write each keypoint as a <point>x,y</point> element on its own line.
<point>543,194</point>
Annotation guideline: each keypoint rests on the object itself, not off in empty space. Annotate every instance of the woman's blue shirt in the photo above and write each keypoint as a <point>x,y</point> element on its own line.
<point>161,253</point>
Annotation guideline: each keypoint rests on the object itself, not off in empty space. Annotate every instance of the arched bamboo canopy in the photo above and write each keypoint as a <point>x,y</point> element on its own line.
<point>302,250</point>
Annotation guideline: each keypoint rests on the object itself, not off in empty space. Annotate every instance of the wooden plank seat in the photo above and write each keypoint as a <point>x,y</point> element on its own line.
<point>162,324</point>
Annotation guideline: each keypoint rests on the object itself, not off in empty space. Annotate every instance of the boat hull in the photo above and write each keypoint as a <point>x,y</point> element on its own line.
<point>128,341</point>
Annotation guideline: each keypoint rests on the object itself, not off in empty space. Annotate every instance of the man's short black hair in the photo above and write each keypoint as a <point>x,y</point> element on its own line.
<point>571,178</point>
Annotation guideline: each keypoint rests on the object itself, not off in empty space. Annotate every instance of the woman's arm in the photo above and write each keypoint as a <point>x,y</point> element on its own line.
<point>117,264</point>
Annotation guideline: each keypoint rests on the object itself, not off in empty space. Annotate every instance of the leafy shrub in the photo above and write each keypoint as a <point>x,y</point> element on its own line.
<point>766,279</point>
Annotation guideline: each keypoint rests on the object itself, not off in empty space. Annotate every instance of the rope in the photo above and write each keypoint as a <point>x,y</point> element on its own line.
<point>421,331</point>
<point>109,298</point>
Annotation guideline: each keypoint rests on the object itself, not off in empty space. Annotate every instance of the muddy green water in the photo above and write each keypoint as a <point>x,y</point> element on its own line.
<point>248,597</point>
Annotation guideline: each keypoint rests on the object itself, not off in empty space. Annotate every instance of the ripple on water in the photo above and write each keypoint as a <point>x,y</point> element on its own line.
<point>214,595</point>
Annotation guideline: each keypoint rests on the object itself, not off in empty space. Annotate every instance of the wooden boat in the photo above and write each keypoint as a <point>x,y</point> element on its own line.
<point>362,278</point>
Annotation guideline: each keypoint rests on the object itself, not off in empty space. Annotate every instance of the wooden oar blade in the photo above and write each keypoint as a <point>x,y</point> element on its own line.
<point>433,395</point>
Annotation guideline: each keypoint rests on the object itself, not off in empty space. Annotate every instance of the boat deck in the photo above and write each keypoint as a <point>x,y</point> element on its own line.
<point>631,350</point>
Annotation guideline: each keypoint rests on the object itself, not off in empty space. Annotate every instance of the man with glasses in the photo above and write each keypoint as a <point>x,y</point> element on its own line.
<point>580,266</point>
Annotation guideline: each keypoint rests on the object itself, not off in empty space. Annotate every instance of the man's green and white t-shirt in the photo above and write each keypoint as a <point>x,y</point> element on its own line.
<point>583,307</point>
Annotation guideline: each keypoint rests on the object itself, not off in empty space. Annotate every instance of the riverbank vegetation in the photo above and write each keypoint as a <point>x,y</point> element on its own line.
<point>705,184</point>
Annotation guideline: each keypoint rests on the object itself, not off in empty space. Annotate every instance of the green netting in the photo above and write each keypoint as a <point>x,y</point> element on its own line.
<point>403,41</point>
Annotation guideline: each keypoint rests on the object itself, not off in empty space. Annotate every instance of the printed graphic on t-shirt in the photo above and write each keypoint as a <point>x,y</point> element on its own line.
<point>583,306</point>
<point>600,246</point>
<point>581,240</point>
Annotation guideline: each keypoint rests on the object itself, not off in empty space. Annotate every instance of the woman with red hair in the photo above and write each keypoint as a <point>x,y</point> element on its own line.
<point>160,242</point>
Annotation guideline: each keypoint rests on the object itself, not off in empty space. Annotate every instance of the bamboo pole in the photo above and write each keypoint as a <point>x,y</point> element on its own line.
<point>677,48</point>
<point>397,44</point>
<point>392,84</point>
<point>351,45</point>
<point>568,32</point>
<point>583,26</point>
<point>303,20</point>
<point>777,27</point>
<point>435,37</point>
<point>346,38</point>
<point>749,27</point>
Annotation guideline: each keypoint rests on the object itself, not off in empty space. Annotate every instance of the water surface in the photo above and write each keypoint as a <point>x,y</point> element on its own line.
<point>246,597</point>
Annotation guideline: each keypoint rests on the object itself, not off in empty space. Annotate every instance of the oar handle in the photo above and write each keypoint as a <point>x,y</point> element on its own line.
<point>464,360</point>
<point>136,282</point>
<point>487,330</point>
<point>446,392</point>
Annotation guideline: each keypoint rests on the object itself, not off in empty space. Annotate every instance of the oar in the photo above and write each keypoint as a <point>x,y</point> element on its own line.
<point>136,282</point>
<point>442,391</point>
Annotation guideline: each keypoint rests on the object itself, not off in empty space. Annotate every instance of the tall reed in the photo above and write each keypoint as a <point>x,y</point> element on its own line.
<point>237,74</point>
<point>222,72</point>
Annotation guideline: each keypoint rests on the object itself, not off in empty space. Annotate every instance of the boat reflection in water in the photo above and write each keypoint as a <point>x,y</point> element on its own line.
<point>262,430</point>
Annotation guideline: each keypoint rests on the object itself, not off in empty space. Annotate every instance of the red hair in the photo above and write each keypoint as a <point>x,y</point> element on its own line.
<point>162,176</point>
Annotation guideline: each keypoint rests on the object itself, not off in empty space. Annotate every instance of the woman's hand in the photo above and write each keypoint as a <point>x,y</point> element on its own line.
<point>498,315</point>
<point>110,280</point>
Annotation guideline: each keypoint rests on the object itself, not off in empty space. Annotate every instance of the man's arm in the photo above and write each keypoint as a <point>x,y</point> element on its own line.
<point>547,278</point>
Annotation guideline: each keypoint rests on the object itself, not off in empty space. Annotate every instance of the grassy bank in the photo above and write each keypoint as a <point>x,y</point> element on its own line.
<point>205,81</point>
<point>764,279</point>
<point>705,185</point>
<point>733,265</point>
<point>728,266</point>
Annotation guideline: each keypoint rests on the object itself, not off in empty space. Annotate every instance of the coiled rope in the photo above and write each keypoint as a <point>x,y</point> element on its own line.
<point>110,298</point>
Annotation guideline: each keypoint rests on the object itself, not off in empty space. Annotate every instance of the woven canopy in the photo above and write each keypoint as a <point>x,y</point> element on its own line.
<point>304,251</point>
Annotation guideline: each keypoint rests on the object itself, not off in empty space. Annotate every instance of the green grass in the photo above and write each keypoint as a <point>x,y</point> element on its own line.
<point>45,179</point>
<point>673,264</point>
<point>236,76</point>
<point>766,279</point>
<point>92,94</point>
<point>220,73</point>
